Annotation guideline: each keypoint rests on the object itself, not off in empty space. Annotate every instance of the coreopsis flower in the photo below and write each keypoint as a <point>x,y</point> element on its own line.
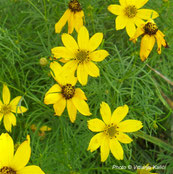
<point>74,15</point>
<point>7,108</point>
<point>42,130</point>
<point>82,55</point>
<point>130,15</point>
<point>112,131</point>
<point>65,94</point>
<point>145,170</point>
<point>150,33</point>
<point>11,163</point>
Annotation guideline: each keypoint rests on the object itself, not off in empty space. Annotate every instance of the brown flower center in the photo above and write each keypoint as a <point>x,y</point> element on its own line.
<point>82,56</point>
<point>68,91</point>
<point>130,11</point>
<point>6,109</point>
<point>7,170</point>
<point>112,130</point>
<point>150,28</point>
<point>74,6</point>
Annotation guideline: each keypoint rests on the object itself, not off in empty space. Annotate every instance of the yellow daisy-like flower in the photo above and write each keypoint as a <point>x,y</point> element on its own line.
<point>74,15</point>
<point>150,33</point>
<point>42,130</point>
<point>130,15</point>
<point>11,163</point>
<point>81,56</point>
<point>7,108</point>
<point>145,170</point>
<point>111,131</point>
<point>65,94</point>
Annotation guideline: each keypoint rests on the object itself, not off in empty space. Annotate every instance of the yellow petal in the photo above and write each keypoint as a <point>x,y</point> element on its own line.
<point>59,106</point>
<point>95,142</point>
<point>105,112</point>
<point>69,42</point>
<point>78,18</point>
<point>16,105</point>
<point>1,116</point>
<point>122,2</point>
<point>5,94</point>
<point>115,9</point>
<point>147,44</point>
<point>92,69</point>
<point>138,21</point>
<point>21,156</point>
<point>12,118</point>
<point>130,2</point>
<point>131,29</point>
<point>6,149</point>
<point>98,55</point>
<point>123,138</point>
<point>80,94</point>
<point>104,150</point>
<point>83,38</point>
<point>130,126</point>
<point>53,95</point>
<point>16,100</point>
<point>119,114</point>
<point>60,24</point>
<point>140,3</point>
<point>56,69</point>
<point>71,23</point>
<point>19,109</point>
<point>95,41</point>
<point>120,22</point>
<point>66,76</point>
<point>147,14</point>
<point>160,41</point>
<point>81,106</point>
<point>116,149</point>
<point>7,123</point>
<point>139,32</point>
<point>96,125</point>
<point>30,169</point>
<point>1,103</point>
<point>82,74</point>
<point>70,66</point>
<point>71,111</point>
<point>62,52</point>
<point>45,128</point>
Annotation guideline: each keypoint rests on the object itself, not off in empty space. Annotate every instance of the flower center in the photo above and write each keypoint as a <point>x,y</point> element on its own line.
<point>7,170</point>
<point>111,130</point>
<point>74,6</point>
<point>130,11</point>
<point>6,109</point>
<point>150,28</point>
<point>68,91</point>
<point>82,56</point>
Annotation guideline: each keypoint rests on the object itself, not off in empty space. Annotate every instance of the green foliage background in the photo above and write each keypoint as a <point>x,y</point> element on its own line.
<point>27,34</point>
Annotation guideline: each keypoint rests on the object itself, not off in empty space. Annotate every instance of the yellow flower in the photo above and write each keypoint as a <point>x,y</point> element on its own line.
<point>42,130</point>
<point>16,163</point>
<point>64,93</point>
<point>150,33</point>
<point>81,56</point>
<point>74,15</point>
<point>145,170</point>
<point>7,108</point>
<point>130,16</point>
<point>111,131</point>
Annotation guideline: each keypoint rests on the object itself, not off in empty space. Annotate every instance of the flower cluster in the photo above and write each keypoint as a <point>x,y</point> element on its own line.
<point>78,60</point>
